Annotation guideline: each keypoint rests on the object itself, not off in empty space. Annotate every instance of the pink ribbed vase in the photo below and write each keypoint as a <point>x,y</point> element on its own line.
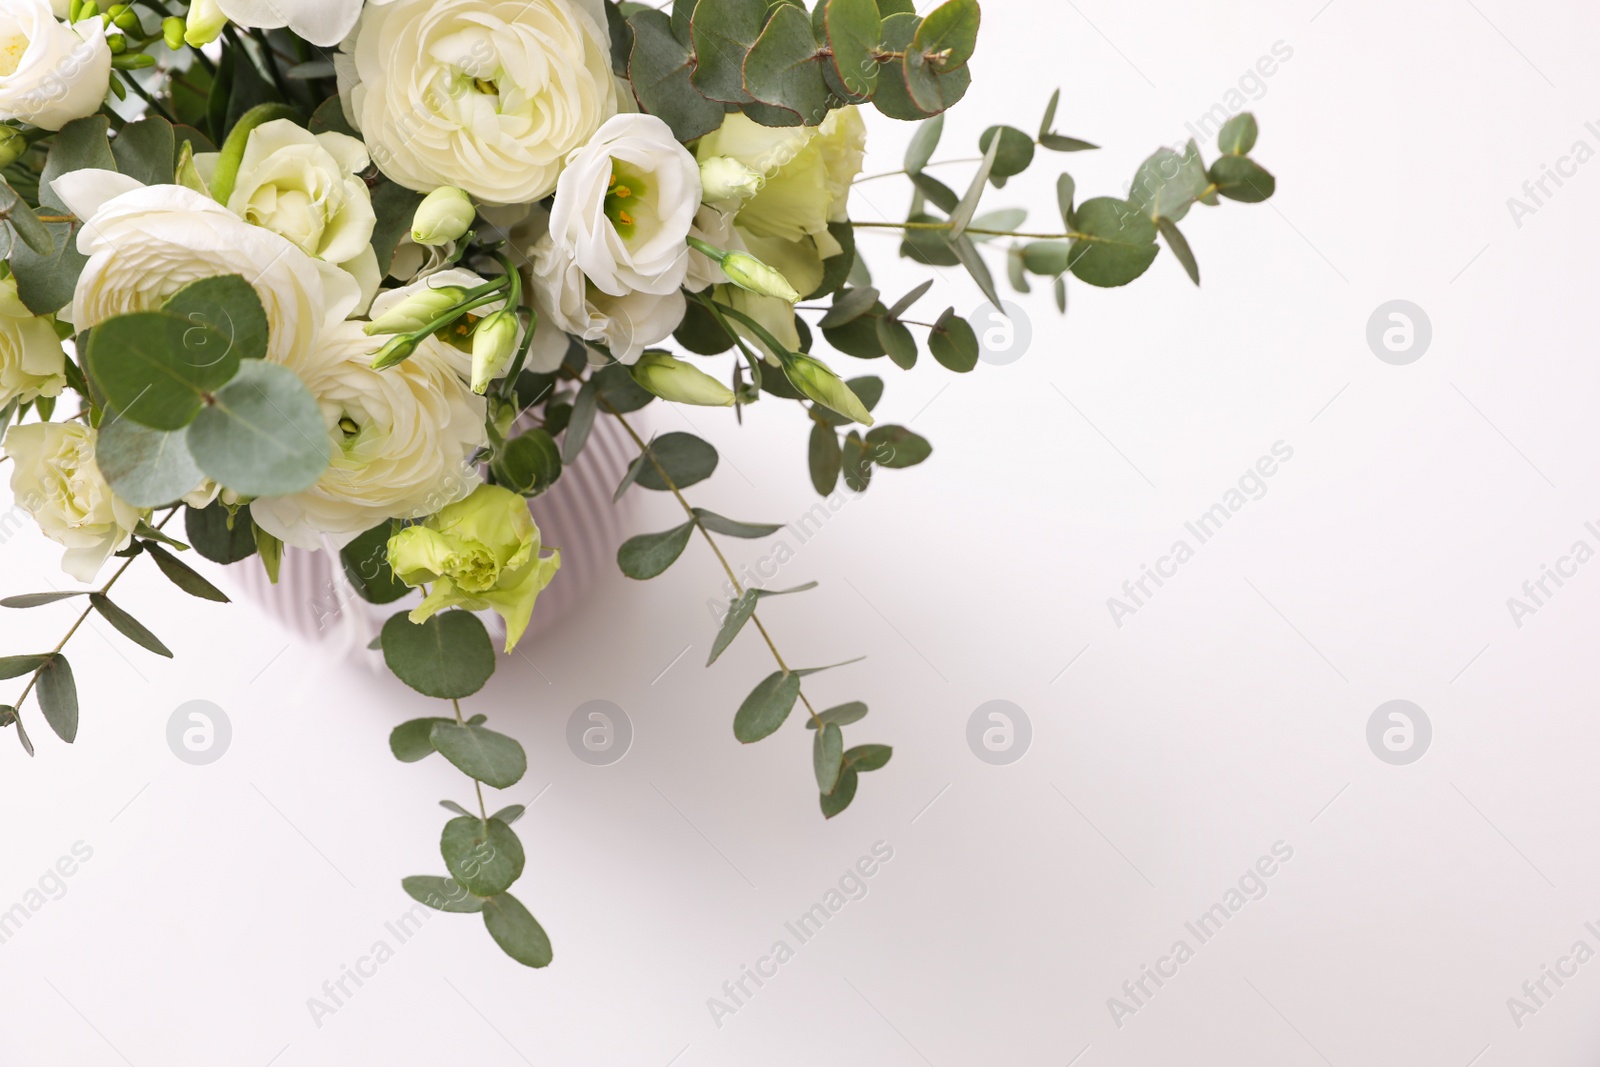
<point>314,600</point>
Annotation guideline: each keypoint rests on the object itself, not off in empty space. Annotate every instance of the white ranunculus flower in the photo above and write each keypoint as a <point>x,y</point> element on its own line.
<point>402,439</point>
<point>306,187</point>
<point>624,205</point>
<point>32,361</point>
<point>55,479</point>
<point>486,95</point>
<point>323,22</point>
<point>565,299</point>
<point>50,72</point>
<point>144,243</point>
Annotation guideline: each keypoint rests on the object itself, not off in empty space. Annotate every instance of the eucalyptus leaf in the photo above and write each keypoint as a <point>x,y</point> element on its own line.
<point>441,894</point>
<point>485,857</point>
<point>647,555</point>
<point>843,793</point>
<point>1116,242</point>
<point>896,447</point>
<point>218,535</point>
<point>144,466</point>
<point>34,600</point>
<point>827,755</point>
<point>767,706</point>
<point>685,458</point>
<point>413,740</point>
<point>17,666</point>
<point>853,29</point>
<point>1014,156</point>
<point>868,757</point>
<point>481,754</point>
<point>660,66</point>
<point>953,342</point>
<point>843,714</point>
<point>518,933</point>
<point>183,576</point>
<point>723,32</point>
<point>1180,247</point>
<point>447,655</point>
<point>784,67</point>
<point>1243,179</point>
<point>729,528</point>
<point>127,625</point>
<point>262,434</point>
<point>365,562</point>
<point>58,697</point>
<point>901,306</point>
<point>848,305</point>
<point>1238,135</point>
<point>919,152</point>
<point>823,458</point>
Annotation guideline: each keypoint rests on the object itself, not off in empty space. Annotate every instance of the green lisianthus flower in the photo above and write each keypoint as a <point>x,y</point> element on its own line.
<point>478,553</point>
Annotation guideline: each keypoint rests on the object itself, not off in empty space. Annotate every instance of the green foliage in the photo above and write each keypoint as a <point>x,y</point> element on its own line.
<point>412,741</point>
<point>1116,242</point>
<point>366,564</point>
<point>740,611</point>
<point>843,714</point>
<point>261,434</point>
<point>485,857</point>
<point>441,894</point>
<point>127,625</point>
<point>481,754</point>
<point>647,555</point>
<point>529,463</point>
<point>183,576</point>
<point>827,755</point>
<point>768,704</point>
<point>143,466</point>
<point>685,458</point>
<point>516,931</point>
<point>448,655</point>
<point>220,534</point>
<point>58,696</point>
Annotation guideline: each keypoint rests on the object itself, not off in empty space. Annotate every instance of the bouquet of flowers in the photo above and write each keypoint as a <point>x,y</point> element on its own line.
<point>362,277</point>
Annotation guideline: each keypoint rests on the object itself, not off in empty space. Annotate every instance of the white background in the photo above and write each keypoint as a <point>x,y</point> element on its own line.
<point>1228,714</point>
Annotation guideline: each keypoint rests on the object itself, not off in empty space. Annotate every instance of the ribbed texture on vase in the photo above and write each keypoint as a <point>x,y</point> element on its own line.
<point>314,600</point>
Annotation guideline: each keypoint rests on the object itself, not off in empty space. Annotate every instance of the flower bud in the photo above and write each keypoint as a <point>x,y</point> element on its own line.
<point>398,350</point>
<point>417,311</point>
<point>494,342</point>
<point>673,379</point>
<point>748,272</point>
<point>726,178</point>
<point>813,378</point>
<point>443,216</point>
<point>12,145</point>
<point>172,32</point>
<point>203,25</point>
<point>126,19</point>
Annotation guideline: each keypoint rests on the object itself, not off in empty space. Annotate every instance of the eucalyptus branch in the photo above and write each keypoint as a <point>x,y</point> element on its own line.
<point>483,812</point>
<point>54,652</point>
<point>1070,235</point>
<point>727,568</point>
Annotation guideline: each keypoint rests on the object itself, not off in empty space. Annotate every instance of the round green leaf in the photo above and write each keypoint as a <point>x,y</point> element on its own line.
<point>517,932</point>
<point>366,565</point>
<point>868,757</point>
<point>440,894</point>
<point>953,342</point>
<point>647,555</point>
<point>155,367</point>
<point>488,757</point>
<point>686,458</point>
<point>529,463</point>
<point>843,793</point>
<point>1243,179</point>
<point>767,706</point>
<point>484,857</point>
<point>447,655</point>
<point>229,307</point>
<point>413,740</point>
<point>262,434</point>
<point>896,447</point>
<point>1015,155</point>
<point>145,467</point>
<point>209,531</point>
<point>1117,243</point>
<point>853,30</point>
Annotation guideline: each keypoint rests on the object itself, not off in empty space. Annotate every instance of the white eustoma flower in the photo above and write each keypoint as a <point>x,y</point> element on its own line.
<point>144,243</point>
<point>324,22</point>
<point>50,72</point>
<point>625,204</point>
<point>402,439</point>
<point>32,361</point>
<point>568,301</point>
<point>487,95</point>
<point>307,188</point>
<point>55,479</point>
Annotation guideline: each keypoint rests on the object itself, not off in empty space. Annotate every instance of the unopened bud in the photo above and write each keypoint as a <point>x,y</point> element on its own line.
<point>12,145</point>
<point>683,383</point>
<point>494,342</point>
<point>203,25</point>
<point>417,311</point>
<point>443,216</point>
<point>813,378</point>
<point>397,351</point>
<point>172,32</point>
<point>748,272</point>
<point>724,178</point>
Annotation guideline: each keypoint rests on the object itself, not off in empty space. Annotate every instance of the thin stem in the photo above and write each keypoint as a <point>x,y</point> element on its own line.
<point>133,84</point>
<point>726,566</point>
<point>483,812</point>
<point>63,642</point>
<point>935,163</point>
<point>1071,235</point>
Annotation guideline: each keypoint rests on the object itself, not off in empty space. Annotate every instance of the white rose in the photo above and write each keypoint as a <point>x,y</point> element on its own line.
<point>144,243</point>
<point>323,22</point>
<point>402,439</point>
<point>565,299</point>
<point>55,479</point>
<point>50,72</point>
<point>32,361</point>
<point>625,204</point>
<point>487,95</point>
<point>306,187</point>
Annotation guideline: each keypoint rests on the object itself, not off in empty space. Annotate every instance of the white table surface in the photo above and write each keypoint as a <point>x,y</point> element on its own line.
<point>1227,715</point>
